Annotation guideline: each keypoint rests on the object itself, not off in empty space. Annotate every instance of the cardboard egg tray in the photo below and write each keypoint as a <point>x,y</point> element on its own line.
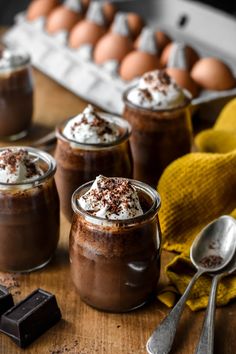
<point>209,31</point>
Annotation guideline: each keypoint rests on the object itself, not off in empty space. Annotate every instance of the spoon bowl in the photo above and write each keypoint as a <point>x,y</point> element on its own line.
<point>214,246</point>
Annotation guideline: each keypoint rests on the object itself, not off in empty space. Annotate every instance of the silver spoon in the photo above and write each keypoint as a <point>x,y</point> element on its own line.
<point>216,239</point>
<point>46,142</point>
<point>206,341</point>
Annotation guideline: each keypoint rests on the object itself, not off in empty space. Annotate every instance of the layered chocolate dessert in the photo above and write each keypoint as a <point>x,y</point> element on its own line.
<point>88,145</point>
<point>115,243</point>
<point>29,209</point>
<point>158,111</point>
<point>16,95</point>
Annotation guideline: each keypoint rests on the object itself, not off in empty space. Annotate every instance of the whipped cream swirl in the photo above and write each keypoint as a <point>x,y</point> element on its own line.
<point>16,165</point>
<point>111,198</point>
<point>90,128</point>
<point>157,90</point>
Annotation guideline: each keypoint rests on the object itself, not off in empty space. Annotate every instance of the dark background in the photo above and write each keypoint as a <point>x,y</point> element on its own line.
<point>8,8</point>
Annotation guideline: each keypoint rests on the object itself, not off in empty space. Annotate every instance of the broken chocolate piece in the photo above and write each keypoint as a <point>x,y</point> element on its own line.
<point>31,317</point>
<point>6,300</point>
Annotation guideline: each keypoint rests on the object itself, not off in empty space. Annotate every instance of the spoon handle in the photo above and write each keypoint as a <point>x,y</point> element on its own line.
<point>162,338</point>
<point>206,341</point>
<point>48,139</point>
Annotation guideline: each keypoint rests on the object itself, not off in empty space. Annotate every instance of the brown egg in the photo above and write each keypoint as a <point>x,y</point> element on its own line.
<point>38,8</point>
<point>62,18</point>
<point>213,74</point>
<point>191,55</point>
<point>109,11</point>
<point>85,32</point>
<point>137,63</point>
<point>85,4</point>
<point>184,80</point>
<point>161,38</point>
<point>135,23</point>
<point>112,46</point>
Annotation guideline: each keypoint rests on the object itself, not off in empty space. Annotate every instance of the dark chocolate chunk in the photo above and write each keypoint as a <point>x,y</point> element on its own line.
<point>31,317</point>
<point>6,300</point>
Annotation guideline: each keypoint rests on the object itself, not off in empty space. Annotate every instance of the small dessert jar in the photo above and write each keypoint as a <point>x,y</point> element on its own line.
<point>78,163</point>
<point>29,218</point>
<point>16,94</point>
<point>159,136</point>
<point>115,264</point>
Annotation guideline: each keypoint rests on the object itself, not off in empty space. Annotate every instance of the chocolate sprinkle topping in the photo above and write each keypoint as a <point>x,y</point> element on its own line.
<point>145,94</point>
<point>211,261</point>
<point>114,194</point>
<point>159,80</point>
<point>101,124</point>
<point>162,76</point>
<point>89,124</point>
<point>12,158</point>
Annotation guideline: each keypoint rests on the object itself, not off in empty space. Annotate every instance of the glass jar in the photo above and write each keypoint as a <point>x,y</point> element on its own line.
<point>16,94</point>
<point>29,218</point>
<point>78,163</point>
<point>115,264</point>
<point>158,138</point>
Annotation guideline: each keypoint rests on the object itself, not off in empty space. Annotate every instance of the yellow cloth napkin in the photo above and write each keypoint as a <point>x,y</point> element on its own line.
<point>195,190</point>
<point>222,138</point>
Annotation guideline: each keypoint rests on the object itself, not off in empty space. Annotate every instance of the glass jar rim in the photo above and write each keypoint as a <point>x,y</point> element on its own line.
<point>185,104</point>
<point>17,59</point>
<point>119,121</point>
<point>140,186</point>
<point>47,158</point>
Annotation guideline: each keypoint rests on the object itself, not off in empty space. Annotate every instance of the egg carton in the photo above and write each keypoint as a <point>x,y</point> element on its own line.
<point>50,54</point>
<point>101,85</point>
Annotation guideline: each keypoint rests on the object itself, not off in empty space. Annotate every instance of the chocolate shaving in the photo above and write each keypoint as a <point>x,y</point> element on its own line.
<point>211,261</point>
<point>10,281</point>
<point>103,126</point>
<point>144,95</point>
<point>158,80</point>
<point>112,193</point>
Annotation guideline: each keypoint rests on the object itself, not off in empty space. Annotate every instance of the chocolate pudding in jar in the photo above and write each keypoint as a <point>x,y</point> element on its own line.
<point>158,111</point>
<point>29,209</point>
<point>90,144</point>
<point>16,94</point>
<point>115,243</point>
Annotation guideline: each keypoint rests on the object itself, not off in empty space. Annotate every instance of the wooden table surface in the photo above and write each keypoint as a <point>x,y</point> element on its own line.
<point>84,330</point>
